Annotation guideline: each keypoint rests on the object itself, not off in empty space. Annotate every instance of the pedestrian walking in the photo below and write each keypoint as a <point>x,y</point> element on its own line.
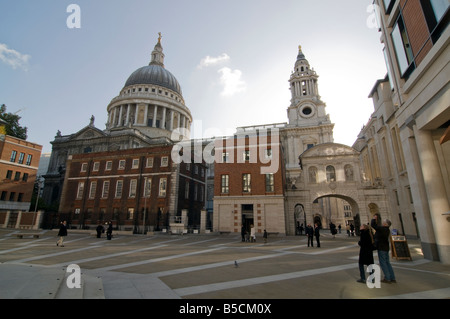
<point>365,251</point>
<point>309,231</point>
<point>62,233</point>
<point>339,227</point>
<point>265,236</point>
<point>348,229</point>
<point>382,237</point>
<point>317,233</point>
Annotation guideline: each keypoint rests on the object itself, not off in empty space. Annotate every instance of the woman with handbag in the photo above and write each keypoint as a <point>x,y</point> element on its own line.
<point>365,251</point>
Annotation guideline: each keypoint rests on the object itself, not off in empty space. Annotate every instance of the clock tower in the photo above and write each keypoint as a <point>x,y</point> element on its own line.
<point>306,107</point>
<point>309,124</point>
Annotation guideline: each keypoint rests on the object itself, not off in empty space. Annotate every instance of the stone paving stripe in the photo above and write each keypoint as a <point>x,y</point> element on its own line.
<point>200,242</point>
<point>80,261</point>
<point>143,262</point>
<point>258,280</point>
<point>215,265</point>
<point>15,249</point>
<point>53,255</point>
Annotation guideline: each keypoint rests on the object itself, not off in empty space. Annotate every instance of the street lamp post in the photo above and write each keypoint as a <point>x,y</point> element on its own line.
<point>145,204</point>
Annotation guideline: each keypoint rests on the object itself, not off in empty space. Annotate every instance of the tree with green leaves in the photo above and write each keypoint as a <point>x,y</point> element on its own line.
<point>13,127</point>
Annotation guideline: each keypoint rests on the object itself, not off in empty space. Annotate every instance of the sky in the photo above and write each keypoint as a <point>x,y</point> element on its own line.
<point>61,64</point>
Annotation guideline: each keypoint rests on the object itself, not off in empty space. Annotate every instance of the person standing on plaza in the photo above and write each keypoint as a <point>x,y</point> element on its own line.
<point>365,251</point>
<point>382,237</point>
<point>109,231</point>
<point>62,233</point>
<point>317,233</point>
<point>252,234</point>
<point>309,233</point>
<point>243,232</point>
<point>265,236</point>
<point>352,229</point>
<point>100,230</point>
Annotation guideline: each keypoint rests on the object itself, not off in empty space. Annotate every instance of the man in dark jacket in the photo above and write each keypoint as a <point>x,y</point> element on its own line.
<point>309,233</point>
<point>317,234</point>
<point>382,237</point>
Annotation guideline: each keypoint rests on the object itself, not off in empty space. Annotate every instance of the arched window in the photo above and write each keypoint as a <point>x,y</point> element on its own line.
<point>331,174</point>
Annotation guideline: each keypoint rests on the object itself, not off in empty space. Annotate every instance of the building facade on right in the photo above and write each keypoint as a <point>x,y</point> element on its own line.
<point>403,144</point>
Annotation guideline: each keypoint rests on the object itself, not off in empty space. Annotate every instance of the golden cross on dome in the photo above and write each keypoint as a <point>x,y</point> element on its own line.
<point>159,38</point>
<point>300,48</point>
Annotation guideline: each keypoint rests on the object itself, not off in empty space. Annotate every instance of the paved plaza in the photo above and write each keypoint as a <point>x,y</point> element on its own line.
<point>208,266</point>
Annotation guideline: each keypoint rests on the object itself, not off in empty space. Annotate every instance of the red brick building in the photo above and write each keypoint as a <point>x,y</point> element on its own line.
<point>19,161</point>
<point>128,186</point>
<point>249,183</point>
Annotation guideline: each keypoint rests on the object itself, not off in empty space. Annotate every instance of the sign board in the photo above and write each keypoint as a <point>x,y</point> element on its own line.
<point>399,248</point>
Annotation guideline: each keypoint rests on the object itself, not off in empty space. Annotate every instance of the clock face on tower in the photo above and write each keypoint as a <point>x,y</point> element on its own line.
<point>306,110</point>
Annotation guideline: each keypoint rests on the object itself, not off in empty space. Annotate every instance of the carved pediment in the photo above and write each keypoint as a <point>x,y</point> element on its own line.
<point>329,149</point>
<point>87,133</point>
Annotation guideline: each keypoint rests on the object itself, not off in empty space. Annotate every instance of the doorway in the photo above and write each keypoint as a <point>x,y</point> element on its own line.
<point>247,216</point>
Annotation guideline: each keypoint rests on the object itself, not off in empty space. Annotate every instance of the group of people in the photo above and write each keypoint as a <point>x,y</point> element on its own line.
<point>62,233</point>
<point>379,241</point>
<point>313,232</point>
<point>251,236</point>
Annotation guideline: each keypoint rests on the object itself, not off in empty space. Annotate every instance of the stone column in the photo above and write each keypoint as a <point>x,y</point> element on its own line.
<point>8,214</point>
<point>155,113</point>
<point>120,116</point>
<point>19,219</point>
<point>171,120</point>
<point>435,188</point>
<point>202,221</point>
<point>127,121</point>
<point>163,124</point>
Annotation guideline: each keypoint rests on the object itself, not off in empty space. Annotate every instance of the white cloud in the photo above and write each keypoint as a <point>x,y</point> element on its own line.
<point>13,58</point>
<point>231,80</point>
<point>208,61</point>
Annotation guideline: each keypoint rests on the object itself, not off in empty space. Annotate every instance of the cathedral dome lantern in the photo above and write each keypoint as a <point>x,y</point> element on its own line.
<point>151,101</point>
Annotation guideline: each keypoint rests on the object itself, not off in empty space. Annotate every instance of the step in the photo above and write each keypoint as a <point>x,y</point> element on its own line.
<point>42,283</point>
<point>91,287</point>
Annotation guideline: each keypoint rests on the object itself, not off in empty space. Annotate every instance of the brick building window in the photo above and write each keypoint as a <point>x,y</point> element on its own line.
<point>92,190</point>
<point>133,185</point>
<point>80,190</point>
<point>105,191</point>
<point>246,183</point>
<point>162,187</point>
<point>13,156</point>
<point>270,185</point>
<point>21,157</point>
<point>225,184</point>
<point>119,187</point>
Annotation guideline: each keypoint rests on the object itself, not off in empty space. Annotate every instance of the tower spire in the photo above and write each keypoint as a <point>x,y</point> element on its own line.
<point>157,53</point>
